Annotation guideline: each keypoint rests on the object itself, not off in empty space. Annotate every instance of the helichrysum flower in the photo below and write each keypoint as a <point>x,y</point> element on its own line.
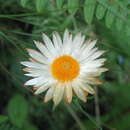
<point>65,67</point>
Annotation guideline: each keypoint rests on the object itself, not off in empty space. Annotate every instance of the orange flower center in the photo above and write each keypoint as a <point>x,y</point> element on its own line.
<point>65,68</point>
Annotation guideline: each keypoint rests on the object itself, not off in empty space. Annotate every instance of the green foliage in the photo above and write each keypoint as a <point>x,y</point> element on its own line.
<point>73,5</point>
<point>111,10</point>
<point>89,7</point>
<point>109,19</point>
<point>22,21</point>
<point>59,3</point>
<point>41,5</point>
<point>17,110</point>
<point>100,11</point>
<point>3,118</point>
<point>24,3</point>
<point>29,126</point>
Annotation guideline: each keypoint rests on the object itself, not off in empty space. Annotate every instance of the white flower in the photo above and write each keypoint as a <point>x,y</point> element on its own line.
<point>64,68</point>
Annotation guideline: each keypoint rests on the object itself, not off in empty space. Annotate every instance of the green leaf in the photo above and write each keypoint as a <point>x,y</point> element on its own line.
<point>73,5</point>
<point>89,8</point>
<point>109,19</point>
<point>17,110</point>
<point>24,3</point>
<point>3,118</point>
<point>119,21</point>
<point>110,15</point>
<point>59,3</point>
<point>40,5</point>
<point>100,11</point>
<point>128,30</point>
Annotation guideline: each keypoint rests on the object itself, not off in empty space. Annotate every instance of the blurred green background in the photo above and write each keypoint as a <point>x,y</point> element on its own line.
<point>22,21</point>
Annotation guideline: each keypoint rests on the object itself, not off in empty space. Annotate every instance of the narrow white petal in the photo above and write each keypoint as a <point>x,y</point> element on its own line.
<point>96,55</point>
<point>100,70</point>
<point>79,92</point>
<point>66,36</point>
<point>38,72</point>
<point>87,88</point>
<point>85,56</point>
<point>91,65</point>
<point>49,45</point>
<point>47,40</point>
<point>67,46</point>
<point>58,38</point>
<point>44,80</point>
<point>68,93</point>
<point>49,94</point>
<point>42,89</point>
<point>57,43</point>
<point>88,63</point>
<point>77,39</point>
<point>80,41</point>
<point>82,48</point>
<point>32,75</point>
<point>58,94</point>
<point>33,81</point>
<point>33,65</point>
<point>90,46</point>
<point>37,56</point>
<point>43,49</point>
<point>96,61</point>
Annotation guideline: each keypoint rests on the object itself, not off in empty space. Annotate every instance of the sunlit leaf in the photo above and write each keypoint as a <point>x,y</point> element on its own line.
<point>73,5</point>
<point>40,5</point>
<point>110,15</point>
<point>120,21</point>
<point>100,11</point>
<point>89,8</point>
<point>59,3</point>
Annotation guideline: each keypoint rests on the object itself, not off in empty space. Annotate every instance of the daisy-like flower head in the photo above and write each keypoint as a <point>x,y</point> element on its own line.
<point>65,67</point>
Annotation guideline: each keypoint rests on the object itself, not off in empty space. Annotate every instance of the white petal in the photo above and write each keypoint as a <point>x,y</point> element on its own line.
<point>32,75</point>
<point>33,65</point>
<point>49,94</point>
<point>90,46</point>
<point>66,36</point>
<point>49,45</point>
<point>101,60</point>
<point>43,49</point>
<point>96,55</point>
<point>90,65</point>
<point>44,80</point>
<point>77,39</point>
<point>79,92</point>
<point>78,51</point>
<point>37,56</point>
<point>38,72</point>
<point>33,81</point>
<point>68,93</point>
<point>85,56</point>
<point>42,89</point>
<point>58,38</point>
<point>100,70</point>
<point>87,88</point>
<point>57,43</point>
<point>80,41</point>
<point>58,94</point>
<point>67,46</point>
